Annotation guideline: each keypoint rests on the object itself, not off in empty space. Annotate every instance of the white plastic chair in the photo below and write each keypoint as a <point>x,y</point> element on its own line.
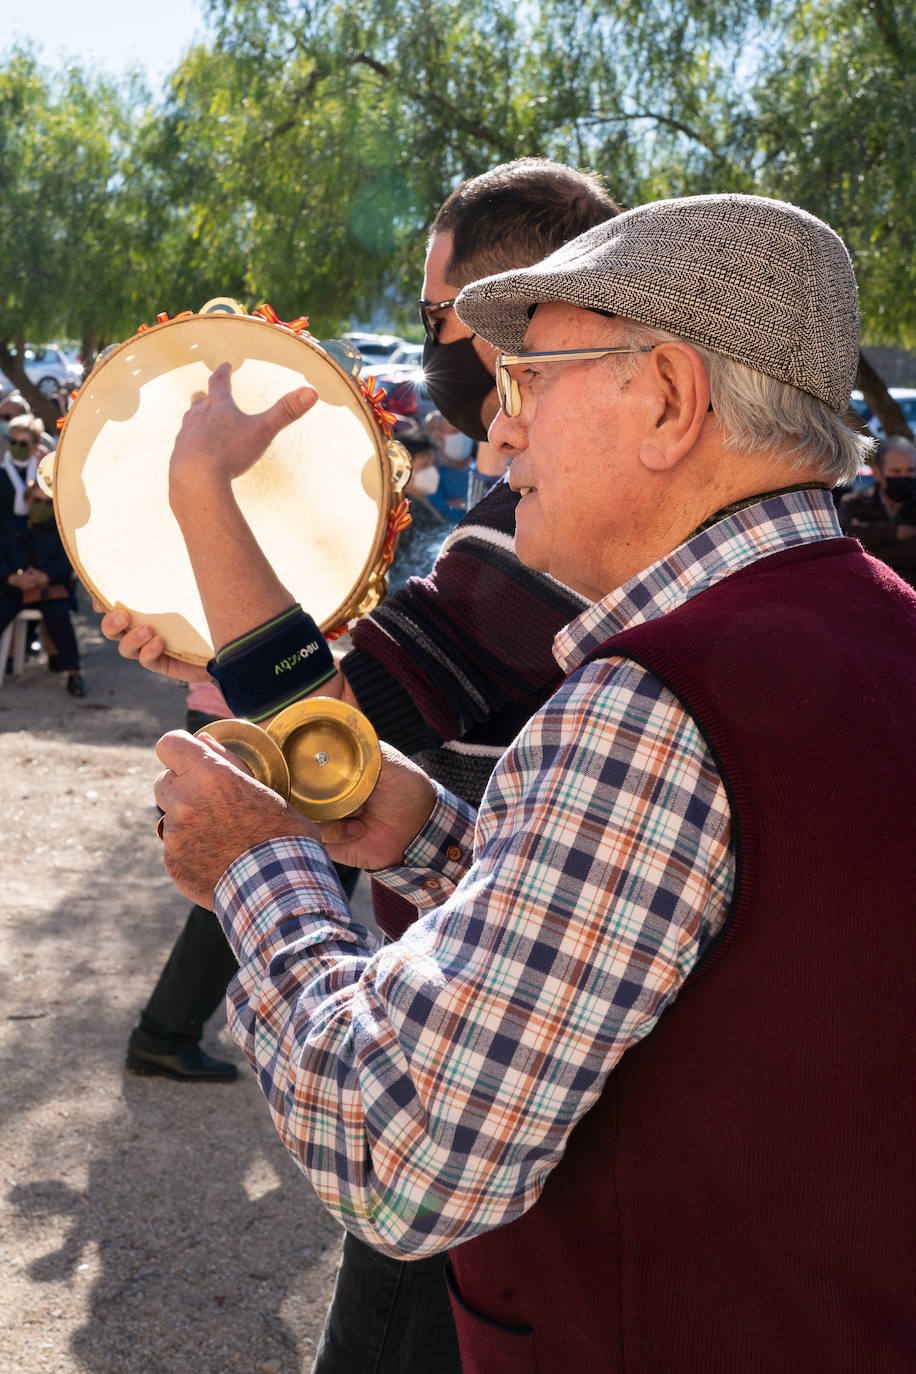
<point>17,633</point>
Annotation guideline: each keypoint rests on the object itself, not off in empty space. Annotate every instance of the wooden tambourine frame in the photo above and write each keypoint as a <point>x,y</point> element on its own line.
<point>324,501</point>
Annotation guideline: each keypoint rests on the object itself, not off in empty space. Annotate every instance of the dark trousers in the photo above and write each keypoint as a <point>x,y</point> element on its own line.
<point>56,616</point>
<point>191,986</point>
<point>388,1316</point>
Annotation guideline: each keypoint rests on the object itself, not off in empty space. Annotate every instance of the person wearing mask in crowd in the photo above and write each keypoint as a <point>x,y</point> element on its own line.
<point>35,570</point>
<point>12,405</point>
<point>605,1069</point>
<point>419,544</point>
<point>448,669</point>
<point>454,461</point>
<point>19,461</point>
<point>883,517</point>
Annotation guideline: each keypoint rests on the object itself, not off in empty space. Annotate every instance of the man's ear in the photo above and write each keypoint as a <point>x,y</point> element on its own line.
<point>677,407</point>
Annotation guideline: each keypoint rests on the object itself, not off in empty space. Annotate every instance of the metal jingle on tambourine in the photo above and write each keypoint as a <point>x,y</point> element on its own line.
<point>261,755</point>
<point>332,753</point>
<point>222,305</point>
<point>45,473</point>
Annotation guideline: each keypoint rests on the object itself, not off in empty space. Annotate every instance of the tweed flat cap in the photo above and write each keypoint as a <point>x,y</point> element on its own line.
<point>759,280</point>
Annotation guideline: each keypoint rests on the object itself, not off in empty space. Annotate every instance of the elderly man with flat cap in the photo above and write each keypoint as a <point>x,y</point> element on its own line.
<point>643,1065</point>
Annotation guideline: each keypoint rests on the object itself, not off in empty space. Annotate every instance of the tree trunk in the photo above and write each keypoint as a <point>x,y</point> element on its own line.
<point>45,407</point>
<point>88,350</point>
<point>881,401</point>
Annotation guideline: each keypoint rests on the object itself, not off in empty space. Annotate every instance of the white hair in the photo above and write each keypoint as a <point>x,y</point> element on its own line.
<point>756,412</point>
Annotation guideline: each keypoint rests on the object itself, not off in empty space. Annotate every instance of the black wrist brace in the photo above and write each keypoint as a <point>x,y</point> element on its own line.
<point>272,666</point>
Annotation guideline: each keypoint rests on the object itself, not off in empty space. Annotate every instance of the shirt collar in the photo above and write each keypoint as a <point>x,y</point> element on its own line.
<point>770,526</point>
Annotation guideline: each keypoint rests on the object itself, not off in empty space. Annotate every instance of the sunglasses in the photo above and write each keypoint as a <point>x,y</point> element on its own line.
<point>508,389</point>
<point>429,308</point>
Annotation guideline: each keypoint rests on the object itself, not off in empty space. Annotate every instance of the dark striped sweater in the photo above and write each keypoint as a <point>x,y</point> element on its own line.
<point>451,667</point>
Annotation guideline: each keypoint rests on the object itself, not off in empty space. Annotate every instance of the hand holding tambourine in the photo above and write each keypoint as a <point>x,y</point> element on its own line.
<point>305,445</point>
<point>323,500</point>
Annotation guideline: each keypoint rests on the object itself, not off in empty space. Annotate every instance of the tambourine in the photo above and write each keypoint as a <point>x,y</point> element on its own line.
<point>324,501</point>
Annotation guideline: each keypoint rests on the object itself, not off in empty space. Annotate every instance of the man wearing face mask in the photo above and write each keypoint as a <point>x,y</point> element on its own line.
<point>883,518</point>
<point>448,669</point>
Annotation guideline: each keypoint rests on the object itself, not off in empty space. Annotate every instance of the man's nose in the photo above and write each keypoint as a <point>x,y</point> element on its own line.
<point>507,434</point>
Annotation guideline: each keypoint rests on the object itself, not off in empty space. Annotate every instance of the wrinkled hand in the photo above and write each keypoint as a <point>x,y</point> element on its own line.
<point>143,644</point>
<point>214,811</point>
<point>377,835</point>
<point>218,440</point>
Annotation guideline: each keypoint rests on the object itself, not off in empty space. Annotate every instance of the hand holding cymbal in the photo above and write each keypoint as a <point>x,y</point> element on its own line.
<point>320,754</point>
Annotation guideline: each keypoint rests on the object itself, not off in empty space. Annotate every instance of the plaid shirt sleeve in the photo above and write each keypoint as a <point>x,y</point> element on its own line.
<point>427,1088</point>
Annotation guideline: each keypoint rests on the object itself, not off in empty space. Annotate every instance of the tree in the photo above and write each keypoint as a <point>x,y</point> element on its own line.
<point>299,155</point>
<point>73,215</point>
<point>351,122</point>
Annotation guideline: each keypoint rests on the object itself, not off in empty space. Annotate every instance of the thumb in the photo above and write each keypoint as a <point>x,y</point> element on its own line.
<point>224,751</point>
<point>290,407</point>
<point>341,832</point>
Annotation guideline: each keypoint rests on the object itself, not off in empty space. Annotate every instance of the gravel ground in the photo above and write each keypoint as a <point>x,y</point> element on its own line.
<point>145,1225</point>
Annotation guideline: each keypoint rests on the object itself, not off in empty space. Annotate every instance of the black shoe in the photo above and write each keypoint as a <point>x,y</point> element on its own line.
<point>189,1065</point>
<point>75,685</point>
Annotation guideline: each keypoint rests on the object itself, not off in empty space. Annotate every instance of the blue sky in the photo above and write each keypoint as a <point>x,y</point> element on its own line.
<point>111,34</point>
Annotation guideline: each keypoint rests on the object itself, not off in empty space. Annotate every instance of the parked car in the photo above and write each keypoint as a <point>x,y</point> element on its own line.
<point>405,391</point>
<point>374,348</point>
<point>48,369</point>
<point>904,396</point>
<point>408,355</point>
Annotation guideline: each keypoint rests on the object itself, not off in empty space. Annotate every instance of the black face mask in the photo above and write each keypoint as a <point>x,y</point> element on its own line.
<point>900,488</point>
<point>458,384</point>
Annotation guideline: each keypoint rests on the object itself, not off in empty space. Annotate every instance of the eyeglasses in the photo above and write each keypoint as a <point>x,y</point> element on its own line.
<point>428,308</point>
<point>508,389</point>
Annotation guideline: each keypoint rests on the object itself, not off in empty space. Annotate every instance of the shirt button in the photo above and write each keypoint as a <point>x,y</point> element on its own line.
<point>432,884</point>
<point>453,853</point>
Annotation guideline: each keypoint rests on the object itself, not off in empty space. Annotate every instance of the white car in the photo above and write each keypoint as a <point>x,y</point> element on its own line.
<point>375,349</point>
<point>48,369</point>
<point>408,355</point>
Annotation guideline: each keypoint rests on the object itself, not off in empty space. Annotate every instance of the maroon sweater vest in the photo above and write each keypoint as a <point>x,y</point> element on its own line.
<point>740,1200</point>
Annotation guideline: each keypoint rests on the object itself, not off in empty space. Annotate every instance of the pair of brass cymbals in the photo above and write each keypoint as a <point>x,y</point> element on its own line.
<point>320,755</point>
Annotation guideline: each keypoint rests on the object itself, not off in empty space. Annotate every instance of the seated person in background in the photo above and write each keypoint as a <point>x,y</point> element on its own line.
<point>12,405</point>
<point>454,453</point>
<point>19,463</point>
<point>487,468</point>
<point>883,518</point>
<point>35,571</point>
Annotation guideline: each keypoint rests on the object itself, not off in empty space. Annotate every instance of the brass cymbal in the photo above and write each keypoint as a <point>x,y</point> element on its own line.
<point>261,755</point>
<point>332,753</point>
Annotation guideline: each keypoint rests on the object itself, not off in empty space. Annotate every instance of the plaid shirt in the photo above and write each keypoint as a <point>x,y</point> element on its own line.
<point>427,1088</point>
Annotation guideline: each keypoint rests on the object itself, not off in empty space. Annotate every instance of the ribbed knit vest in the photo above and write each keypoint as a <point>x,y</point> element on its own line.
<point>740,1200</point>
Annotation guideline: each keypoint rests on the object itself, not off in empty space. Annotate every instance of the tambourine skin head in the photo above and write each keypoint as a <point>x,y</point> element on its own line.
<point>332,753</point>
<point>261,755</point>
<point>317,501</point>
